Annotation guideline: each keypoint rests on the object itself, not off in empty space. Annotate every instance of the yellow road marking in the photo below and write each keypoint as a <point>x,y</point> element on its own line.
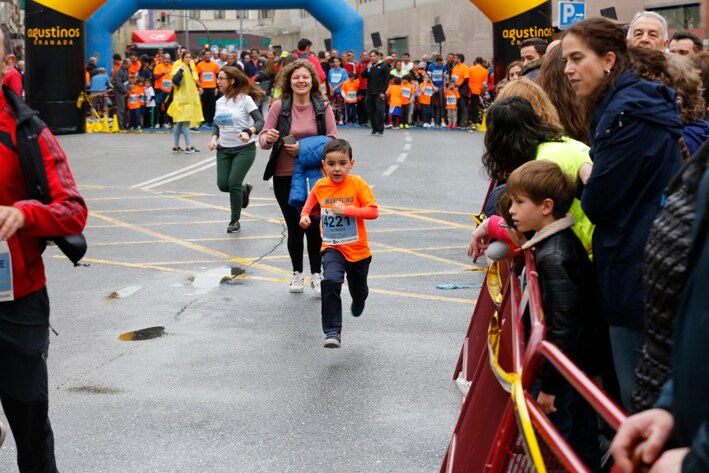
<point>187,244</point>
<point>421,255</point>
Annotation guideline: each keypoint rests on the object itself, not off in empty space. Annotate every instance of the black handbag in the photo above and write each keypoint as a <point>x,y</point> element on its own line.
<point>29,127</point>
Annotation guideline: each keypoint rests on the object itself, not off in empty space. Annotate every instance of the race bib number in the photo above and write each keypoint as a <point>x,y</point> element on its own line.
<point>208,76</point>
<point>406,93</point>
<point>450,100</point>
<point>437,75</point>
<point>166,84</point>
<point>134,98</point>
<point>351,95</point>
<point>454,78</point>
<point>223,120</point>
<point>428,91</point>
<point>5,273</point>
<point>335,77</point>
<point>338,229</point>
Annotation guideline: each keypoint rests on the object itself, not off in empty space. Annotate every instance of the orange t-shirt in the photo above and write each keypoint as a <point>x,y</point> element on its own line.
<point>407,93</point>
<point>133,69</point>
<point>452,99</point>
<point>426,93</point>
<point>208,74</point>
<point>394,93</point>
<point>349,90</point>
<point>459,74</point>
<point>135,97</point>
<point>346,234</point>
<point>478,75</point>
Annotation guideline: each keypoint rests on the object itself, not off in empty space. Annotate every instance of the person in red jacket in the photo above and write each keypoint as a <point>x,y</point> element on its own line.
<point>303,52</point>
<point>24,304</point>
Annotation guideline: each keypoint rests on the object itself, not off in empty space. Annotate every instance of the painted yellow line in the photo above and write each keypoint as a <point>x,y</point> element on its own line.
<point>420,255</point>
<point>187,244</point>
<point>421,275</point>
<point>132,265</point>
<point>428,219</point>
<point>424,211</point>
<point>164,209</point>
<point>410,229</point>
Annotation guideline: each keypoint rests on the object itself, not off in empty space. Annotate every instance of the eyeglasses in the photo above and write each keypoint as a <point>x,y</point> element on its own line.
<point>221,78</point>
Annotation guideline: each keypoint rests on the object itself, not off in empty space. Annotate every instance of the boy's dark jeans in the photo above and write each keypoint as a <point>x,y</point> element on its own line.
<point>335,266</point>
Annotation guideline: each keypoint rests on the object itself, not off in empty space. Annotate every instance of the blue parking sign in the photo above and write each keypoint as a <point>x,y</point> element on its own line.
<point>570,13</point>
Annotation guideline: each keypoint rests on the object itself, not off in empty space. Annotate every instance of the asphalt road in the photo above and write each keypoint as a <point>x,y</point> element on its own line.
<point>240,381</point>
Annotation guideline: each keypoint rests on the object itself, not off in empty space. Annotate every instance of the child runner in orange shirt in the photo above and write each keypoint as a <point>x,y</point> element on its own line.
<point>407,93</point>
<point>349,91</point>
<point>345,201</point>
<point>394,94</point>
<point>135,98</point>
<point>427,91</point>
<point>452,96</point>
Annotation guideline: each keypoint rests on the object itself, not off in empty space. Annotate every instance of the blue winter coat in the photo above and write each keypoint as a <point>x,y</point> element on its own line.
<point>695,134</point>
<point>686,394</point>
<point>635,151</point>
<point>308,169</point>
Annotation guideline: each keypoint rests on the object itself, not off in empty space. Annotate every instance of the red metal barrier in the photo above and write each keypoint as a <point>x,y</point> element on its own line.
<point>487,437</point>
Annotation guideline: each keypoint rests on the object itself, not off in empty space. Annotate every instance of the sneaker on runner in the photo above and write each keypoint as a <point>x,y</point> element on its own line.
<point>296,282</point>
<point>247,194</point>
<point>357,308</point>
<point>332,340</point>
<point>233,227</point>
<point>315,279</point>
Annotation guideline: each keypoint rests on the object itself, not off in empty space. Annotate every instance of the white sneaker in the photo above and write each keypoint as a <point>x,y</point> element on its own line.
<point>315,279</point>
<point>296,282</point>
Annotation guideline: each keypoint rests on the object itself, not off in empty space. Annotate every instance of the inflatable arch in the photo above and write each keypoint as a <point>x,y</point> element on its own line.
<point>513,22</point>
<point>59,31</point>
<point>345,24</point>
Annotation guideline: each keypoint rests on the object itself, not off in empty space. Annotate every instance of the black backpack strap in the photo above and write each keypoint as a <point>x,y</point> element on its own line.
<point>319,107</point>
<point>283,127</point>
<point>29,127</point>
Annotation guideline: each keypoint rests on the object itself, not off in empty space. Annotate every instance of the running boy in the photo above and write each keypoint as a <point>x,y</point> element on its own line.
<point>541,195</point>
<point>345,201</point>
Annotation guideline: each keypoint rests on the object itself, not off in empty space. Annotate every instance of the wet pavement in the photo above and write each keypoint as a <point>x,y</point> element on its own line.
<point>231,375</point>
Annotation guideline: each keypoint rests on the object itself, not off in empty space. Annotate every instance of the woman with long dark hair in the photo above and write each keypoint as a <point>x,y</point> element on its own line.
<point>300,113</point>
<point>634,134</point>
<point>238,121</point>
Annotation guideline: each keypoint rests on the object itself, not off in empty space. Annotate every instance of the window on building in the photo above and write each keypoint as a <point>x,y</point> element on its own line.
<point>264,14</point>
<point>193,13</point>
<point>219,14</point>
<point>398,45</point>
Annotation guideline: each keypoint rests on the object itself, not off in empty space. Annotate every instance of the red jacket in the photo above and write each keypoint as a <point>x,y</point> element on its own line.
<point>314,61</point>
<point>65,215</point>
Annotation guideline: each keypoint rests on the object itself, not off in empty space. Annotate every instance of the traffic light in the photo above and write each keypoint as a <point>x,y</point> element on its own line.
<point>162,17</point>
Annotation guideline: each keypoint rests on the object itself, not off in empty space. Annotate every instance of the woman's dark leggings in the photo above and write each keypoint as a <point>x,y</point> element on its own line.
<point>281,189</point>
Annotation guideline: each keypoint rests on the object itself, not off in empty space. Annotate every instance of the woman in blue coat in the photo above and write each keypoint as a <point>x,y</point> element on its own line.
<point>634,132</point>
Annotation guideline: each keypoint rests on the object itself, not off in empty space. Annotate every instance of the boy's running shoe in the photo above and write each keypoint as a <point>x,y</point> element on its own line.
<point>315,280</point>
<point>332,340</point>
<point>296,282</point>
<point>357,308</point>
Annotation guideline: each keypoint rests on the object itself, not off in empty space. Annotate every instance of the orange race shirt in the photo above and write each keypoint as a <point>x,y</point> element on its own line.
<point>426,93</point>
<point>133,69</point>
<point>459,74</point>
<point>407,93</point>
<point>347,235</point>
<point>394,93</point>
<point>135,97</point>
<point>349,90</point>
<point>478,75</point>
<point>452,99</point>
<point>208,74</point>
<point>163,77</point>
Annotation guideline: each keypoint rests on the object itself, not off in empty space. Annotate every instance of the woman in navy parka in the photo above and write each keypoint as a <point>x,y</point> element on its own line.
<point>634,132</point>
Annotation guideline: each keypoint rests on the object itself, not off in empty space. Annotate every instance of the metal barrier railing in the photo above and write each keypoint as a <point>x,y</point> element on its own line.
<point>514,435</point>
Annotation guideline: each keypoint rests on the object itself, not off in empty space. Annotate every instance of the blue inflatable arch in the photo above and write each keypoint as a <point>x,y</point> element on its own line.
<point>345,24</point>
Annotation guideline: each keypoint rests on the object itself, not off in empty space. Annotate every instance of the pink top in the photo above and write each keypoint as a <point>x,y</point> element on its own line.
<point>302,125</point>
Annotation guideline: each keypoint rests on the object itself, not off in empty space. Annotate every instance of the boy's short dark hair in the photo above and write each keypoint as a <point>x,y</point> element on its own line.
<point>539,44</point>
<point>542,179</point>
<point>352,75</point>
<point>338,145</point>
<point>396,81</point>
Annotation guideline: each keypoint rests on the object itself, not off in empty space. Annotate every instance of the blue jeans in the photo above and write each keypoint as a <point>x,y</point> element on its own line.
<point>184,128</point>
<point>577,422</point>
<point>626,345</point>
<point>334,268</point>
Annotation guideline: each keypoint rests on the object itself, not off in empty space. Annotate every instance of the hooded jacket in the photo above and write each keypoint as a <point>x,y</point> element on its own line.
<point>308,169</point>
<point>634,136</point>
<point>695,134</point>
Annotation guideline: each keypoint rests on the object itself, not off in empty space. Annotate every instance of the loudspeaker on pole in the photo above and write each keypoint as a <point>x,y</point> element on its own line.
<point>609,13</point>
<point>438,35</point>
<point>328,44</point>
<point>376,40</point>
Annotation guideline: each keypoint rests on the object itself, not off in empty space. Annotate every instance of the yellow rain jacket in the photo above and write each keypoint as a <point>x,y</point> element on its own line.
<point>186,106</point>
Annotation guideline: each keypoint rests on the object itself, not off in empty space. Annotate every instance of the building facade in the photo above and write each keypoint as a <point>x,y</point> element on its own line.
<point>402,25</point>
